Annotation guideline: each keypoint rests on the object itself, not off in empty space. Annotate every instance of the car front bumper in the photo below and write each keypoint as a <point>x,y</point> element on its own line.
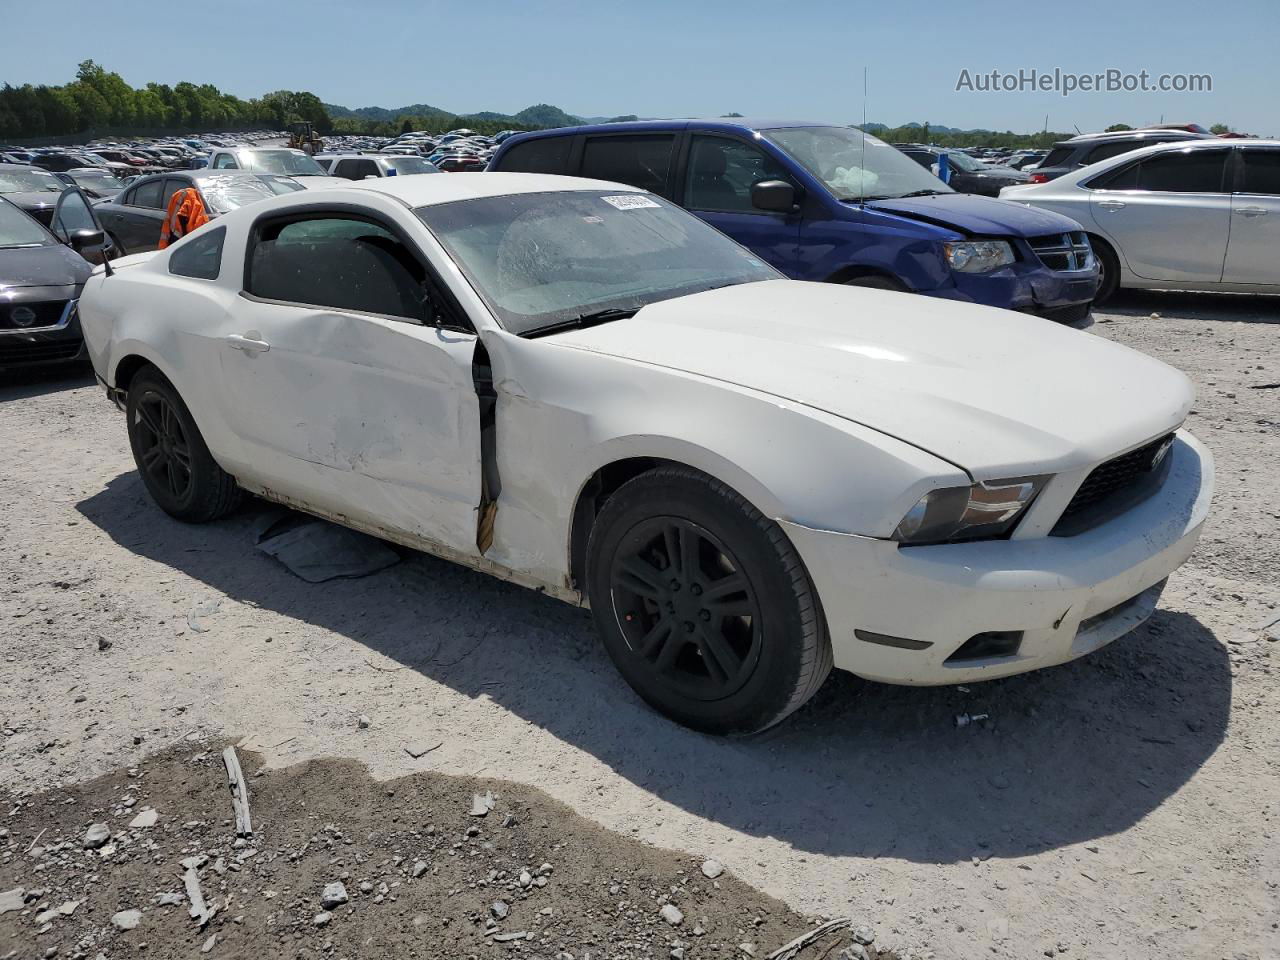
<point>57,343</point>
<point>1036,290</point>
<point>1064,596</point>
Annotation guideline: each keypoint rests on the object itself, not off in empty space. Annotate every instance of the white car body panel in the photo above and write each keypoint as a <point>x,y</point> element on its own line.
<point>832,409</point>
<point>1211,242</point>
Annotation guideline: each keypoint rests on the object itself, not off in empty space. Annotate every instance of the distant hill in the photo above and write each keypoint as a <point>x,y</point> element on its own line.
<point>539,115</point>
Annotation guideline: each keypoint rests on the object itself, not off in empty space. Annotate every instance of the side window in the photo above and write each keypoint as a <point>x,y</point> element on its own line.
<point>171,186</point>
<point>73,214</point>
<point>345,168</point>
<point>1108,150</point>
<point>366,168</point>
<point>1057,157</point>
<point>339,262</point>
<point>1195,171</point>
<point>148,194</point>
<point>225,161</point>
<point>548,155</point>
<point>641,161</point>
<point>1261,171</point>
<point>200,257</point>
<point>921,157</point>
<point>722,172</point>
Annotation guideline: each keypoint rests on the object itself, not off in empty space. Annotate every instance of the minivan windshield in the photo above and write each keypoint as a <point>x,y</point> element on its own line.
<point>542,261</point>
<point>854,165</point>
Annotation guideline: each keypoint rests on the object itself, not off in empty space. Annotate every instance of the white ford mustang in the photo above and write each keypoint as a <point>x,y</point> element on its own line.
<point>581,388</point>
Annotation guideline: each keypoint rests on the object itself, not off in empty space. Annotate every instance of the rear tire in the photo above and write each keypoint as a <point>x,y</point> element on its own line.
<point>703,604</point>
<point>173,460</point>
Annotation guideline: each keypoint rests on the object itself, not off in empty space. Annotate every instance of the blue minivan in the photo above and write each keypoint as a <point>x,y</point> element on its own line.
<point>831,203</point>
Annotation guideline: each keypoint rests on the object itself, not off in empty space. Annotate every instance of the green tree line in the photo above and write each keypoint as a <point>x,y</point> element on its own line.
<point>99,98</point>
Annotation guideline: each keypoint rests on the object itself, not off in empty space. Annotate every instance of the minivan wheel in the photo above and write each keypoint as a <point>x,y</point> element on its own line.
<point>1108,270</point>
<point>703,604</point>
<point>877,282</point>
<point>176,466</point>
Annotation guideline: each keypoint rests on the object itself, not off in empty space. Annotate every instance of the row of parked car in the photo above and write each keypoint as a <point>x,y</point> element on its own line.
<point>1162,209</point>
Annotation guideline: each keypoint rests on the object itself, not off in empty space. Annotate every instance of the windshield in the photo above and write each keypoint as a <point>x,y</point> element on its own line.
<point>18,230</point>
<point>544,259</point>
<point>226,193</point>
<point>98,181</point>
<point>855,165</point>
<point>291,163</point>
<point>962,161</point>
<point>29,181</point>
<point>408,165</point>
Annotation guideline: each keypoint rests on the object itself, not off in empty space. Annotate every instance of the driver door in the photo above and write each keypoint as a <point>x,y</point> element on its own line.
<point>73,218</point>
<point>718,179</point>
<point>343,396</point>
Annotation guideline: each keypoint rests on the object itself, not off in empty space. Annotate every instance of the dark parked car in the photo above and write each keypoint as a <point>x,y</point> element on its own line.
<point>828,203</point>
<point>134,218</point>
<point>33,189</point>
<point>42,272</point>
<point>966,175</point>
<point>1068,155</point>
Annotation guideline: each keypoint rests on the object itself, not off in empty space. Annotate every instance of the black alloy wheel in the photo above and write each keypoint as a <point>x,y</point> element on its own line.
<point>164,451</point>
<point>687,610</point>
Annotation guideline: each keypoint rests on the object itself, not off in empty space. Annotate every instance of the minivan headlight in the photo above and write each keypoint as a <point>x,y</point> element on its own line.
<point>982,511</point>
<point>978,256</point>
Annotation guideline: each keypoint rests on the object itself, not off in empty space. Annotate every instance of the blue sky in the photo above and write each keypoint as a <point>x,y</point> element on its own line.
<point>802,59</point>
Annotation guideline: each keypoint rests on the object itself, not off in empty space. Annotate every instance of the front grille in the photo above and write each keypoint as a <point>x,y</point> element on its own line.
<point>40,351</point>
<point>1108,485</point>
<point>1063,252</point>
<point>24,316</point>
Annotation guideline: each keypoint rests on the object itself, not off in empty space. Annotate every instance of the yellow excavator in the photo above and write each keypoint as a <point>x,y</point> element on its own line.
<point>302,136</point>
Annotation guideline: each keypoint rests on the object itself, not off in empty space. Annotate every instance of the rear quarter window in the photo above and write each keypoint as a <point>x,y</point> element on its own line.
<point>545,155</point>
<point>200,257</point>
<point>1057,157</point>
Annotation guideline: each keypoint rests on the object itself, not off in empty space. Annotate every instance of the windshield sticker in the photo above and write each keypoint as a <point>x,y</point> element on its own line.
<point>630,201</point>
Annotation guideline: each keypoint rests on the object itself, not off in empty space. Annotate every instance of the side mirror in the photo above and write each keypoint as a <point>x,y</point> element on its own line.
<point>81,240</point>
<point>777,196</point>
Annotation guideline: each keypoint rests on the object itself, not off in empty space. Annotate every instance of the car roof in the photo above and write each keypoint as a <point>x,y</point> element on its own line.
<point>721,124</point>
<point>1138,135</point>
<point>428,191</point>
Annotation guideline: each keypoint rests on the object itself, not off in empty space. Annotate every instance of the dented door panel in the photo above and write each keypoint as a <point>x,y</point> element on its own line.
<point>370,416</point>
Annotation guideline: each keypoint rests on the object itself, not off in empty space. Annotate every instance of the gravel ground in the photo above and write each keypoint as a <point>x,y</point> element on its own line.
<point>423,872</point>
<point>1121,806</point>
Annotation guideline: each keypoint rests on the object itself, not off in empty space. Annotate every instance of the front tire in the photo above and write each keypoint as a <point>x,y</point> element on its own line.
<point>704,605</point>
<point>173,460</point>
<point>876,281</point>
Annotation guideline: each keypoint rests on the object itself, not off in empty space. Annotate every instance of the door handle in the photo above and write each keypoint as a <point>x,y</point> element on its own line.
<point>247,344</point>
<point>1111,204</point>
<point>1250,211</point>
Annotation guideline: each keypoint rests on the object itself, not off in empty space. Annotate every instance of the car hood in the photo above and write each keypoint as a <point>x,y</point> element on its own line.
<point>1004,173</point>
<point>995,392</point>
<point>38,203</point>
<point>51,266</point>
<point>318,182</point>
<point>978,216</point>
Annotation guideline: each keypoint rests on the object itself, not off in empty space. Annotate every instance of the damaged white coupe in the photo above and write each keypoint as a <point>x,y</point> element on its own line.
<point>580,387</point>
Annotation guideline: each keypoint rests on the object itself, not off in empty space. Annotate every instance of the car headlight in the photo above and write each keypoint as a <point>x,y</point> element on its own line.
<point>982,511</point>
<point>978,256</point>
